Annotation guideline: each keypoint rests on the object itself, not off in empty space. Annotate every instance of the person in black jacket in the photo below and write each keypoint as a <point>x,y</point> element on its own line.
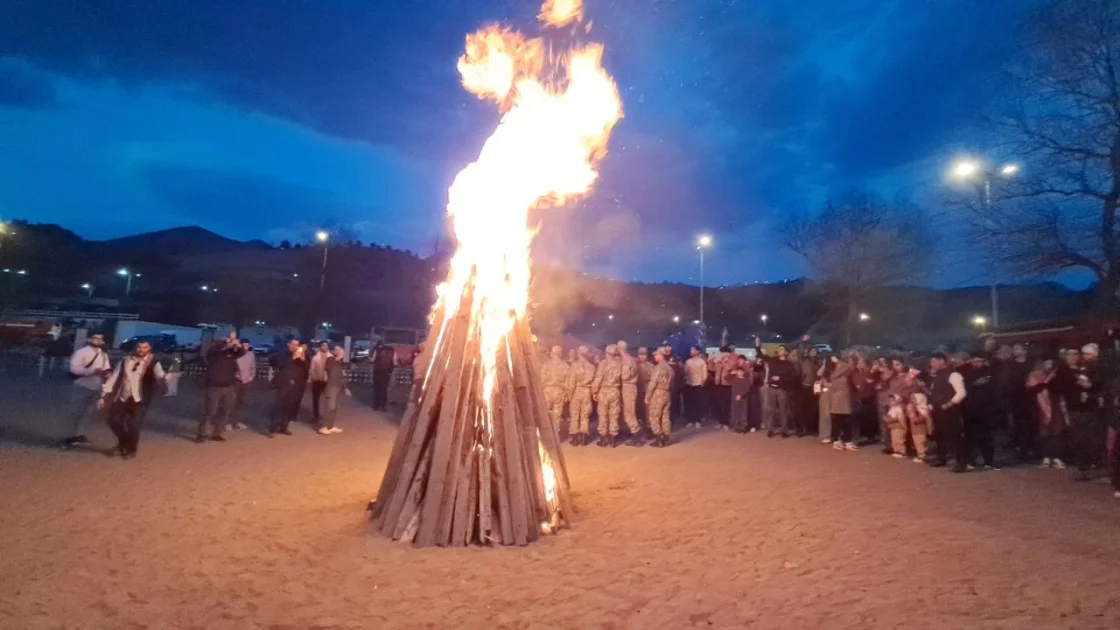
<point>781,380</point>
<point>291,379</point>
<point>1078,385</point>
<point>979,409</point>
<point>221,387</point>
<point>384,359</point>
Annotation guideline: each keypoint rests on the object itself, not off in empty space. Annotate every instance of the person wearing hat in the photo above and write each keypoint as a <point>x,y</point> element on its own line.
<point>555,374</point>
<point>657,399</point>
<point>581,376</point>
<point>629,375</point>
<point>606,389</point>
<point>645,371</point>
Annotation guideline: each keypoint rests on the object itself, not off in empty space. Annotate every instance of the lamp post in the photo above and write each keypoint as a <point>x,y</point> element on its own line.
<point>972,170</point>
<point>88,288</point>
<point>864,317</point>
<point>702,242</point>
<point>128,279</point>
<point>325,238</point>
<point>765,318</point>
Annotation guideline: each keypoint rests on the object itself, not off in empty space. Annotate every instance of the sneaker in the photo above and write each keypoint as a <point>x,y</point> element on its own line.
<point>229,427</point>
<point>826,441</point>
<point>1059,463</point>
<point>898,456</point>
<point>323,431</point>
<point>990,467</point>
<point>80,439</point>
<point>1116,495</point>
<point>851,446</point>
<point>241,426</point>
<point>838,445</point>
<point>1045,462</point>
<point>919,460</point>
<point>753,429</point>
<point>336,430</point>
<point>724,427</point>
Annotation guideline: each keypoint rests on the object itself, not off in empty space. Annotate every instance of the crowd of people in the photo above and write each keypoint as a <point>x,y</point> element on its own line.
<point>124,393</point>
<point>939,410</point>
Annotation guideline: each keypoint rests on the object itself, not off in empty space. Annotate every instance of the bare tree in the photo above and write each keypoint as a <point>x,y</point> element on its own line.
<point>857,245</point>
<point>1063,122</point>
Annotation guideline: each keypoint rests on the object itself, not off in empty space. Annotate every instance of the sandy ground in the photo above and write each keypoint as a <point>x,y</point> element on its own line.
<point>719,531</point>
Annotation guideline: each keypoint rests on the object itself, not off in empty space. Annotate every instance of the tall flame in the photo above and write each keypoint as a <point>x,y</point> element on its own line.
<point>545,150</point>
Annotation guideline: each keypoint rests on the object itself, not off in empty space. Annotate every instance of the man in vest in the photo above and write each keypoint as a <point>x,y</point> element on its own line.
<point>128,392</point>
<point>657,400</point>
<point>580,379</point>
<point>946,393</point>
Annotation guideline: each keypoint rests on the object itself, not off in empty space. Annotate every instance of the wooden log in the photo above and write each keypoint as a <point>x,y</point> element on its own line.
<point>459,465</point>
<point>485,499</point>
<point>509,435</point>
<point>504,521</point>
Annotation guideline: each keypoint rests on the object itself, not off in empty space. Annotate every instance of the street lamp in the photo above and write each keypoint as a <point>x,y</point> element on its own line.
<point>972,170</point>
<point>676,319</point>
<point>88,288</point>
<point>765,318</point>
<point>863,317</point>
<point>323,237</point>
<point>703,242</point>
<point>123,271</point>
<point>979,321</point>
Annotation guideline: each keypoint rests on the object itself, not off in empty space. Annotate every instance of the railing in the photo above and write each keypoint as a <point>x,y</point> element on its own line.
<point>28,313</point>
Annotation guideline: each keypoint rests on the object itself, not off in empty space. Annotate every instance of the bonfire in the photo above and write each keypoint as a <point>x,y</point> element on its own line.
<point>477,459</point>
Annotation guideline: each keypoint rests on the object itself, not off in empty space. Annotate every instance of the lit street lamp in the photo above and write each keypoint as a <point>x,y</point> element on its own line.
<point>88,288</point>
<point>979,321</point>
<point>128,279</point>
<point>676,319</point>
<point>971,170</point>
<point>864,317</point>
<point>765,318</point>
<point>703,242</point>
<point>323,237</point>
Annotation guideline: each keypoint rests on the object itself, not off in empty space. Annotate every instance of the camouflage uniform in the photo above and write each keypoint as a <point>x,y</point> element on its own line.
<point>607,387</point>
<point>629,368</point>
<point>554,379</point>
<point>657,400</point>
<point>645,370</point>
<point>580,379</point>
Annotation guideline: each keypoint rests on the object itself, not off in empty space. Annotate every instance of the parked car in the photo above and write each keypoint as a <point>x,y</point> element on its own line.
<point>161,344</point>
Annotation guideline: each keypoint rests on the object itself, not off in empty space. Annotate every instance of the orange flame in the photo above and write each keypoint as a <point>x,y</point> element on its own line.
<point>561,12</point>
<point>544,152</point>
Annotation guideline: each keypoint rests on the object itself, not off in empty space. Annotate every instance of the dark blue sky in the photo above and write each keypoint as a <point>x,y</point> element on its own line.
<point>264,119</point>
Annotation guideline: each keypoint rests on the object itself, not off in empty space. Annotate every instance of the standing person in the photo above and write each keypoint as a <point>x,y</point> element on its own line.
<point>555,381</point>
<point>128,391</point>
<point>840,405</point>
<point>581,377</point>
<point>645,371</point>
<point>1024,423</point>
<point>657,400</point>
<point>804,401</point>
<point>724,364</point>
<point>291,379</point>
<point>629,373</point>
<point>246,374</point>
<point>336,388</point>
<point>695,397</point>
<point>824,409</point>
<point>946,393</point>
<point>781,379</point>
<point>384,359</point>
<point>607,391</point>
<point>980,409</point>
<point>89,367</point>
<point>221,388</point>
<point>1077,386</point>
<point>742,384</point>
<point>317,374</point>
<point>1050,418</point>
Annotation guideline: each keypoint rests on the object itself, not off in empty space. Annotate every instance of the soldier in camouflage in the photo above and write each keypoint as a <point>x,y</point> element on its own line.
<point>657,399</point>
<point>580,379</point>
<point>607,391</point>
<point>629,369</point>
<point>645,369</point>
<point>554,379</point>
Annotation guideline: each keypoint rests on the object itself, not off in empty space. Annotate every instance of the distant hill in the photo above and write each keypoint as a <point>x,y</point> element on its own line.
<point>172,242</point>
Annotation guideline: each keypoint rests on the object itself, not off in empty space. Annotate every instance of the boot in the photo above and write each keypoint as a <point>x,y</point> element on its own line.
<point>574,439</point>
<point>584,439</point>
<point>635,440</point>
<point>613,442</point>
<point>664,441</point>
<point>659,441</point>
<point>602,441</point>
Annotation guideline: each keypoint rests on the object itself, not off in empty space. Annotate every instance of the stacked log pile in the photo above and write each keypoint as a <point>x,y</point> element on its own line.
<point>465,470</point>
